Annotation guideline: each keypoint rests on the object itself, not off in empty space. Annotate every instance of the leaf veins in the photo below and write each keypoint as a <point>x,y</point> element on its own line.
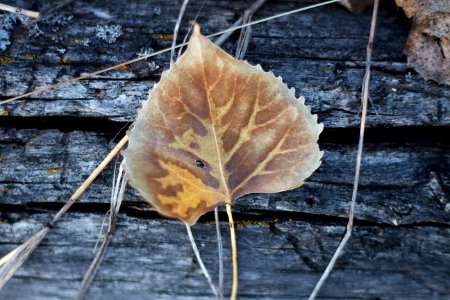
<point>214,129</point>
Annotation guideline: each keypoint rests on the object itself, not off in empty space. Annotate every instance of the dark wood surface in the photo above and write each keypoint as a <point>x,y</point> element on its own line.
<point>52,141</point>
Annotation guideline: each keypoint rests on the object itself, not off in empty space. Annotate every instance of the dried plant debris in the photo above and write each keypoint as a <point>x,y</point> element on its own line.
<point>428,44</point>
<point>356,6</point>
<point>216,128</point>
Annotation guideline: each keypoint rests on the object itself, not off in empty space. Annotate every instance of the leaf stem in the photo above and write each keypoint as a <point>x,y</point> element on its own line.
<point>234,253</point>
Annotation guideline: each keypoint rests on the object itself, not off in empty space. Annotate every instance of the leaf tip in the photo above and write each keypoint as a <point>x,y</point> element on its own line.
<point>196,28</point>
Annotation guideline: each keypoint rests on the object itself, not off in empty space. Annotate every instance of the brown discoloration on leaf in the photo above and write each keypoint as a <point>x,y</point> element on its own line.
<point>419,8</point>
<point>428,55</point>
<point>428,44</point>
<point>216,128</point>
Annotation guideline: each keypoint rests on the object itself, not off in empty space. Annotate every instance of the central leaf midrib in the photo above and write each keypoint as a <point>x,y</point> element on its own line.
<point>208,96</point>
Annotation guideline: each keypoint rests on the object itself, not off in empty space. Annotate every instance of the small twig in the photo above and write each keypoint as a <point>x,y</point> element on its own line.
<point>200,261</point>
<point>364,100</point>
<point>220,250</point>
<point>19,11</point>
<point>14,259</point>
<point>175,31</point>
<point>144,57</point>
<point>234,253</point>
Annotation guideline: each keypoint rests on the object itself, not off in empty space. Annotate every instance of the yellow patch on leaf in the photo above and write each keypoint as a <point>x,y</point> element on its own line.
<point>214,129</point>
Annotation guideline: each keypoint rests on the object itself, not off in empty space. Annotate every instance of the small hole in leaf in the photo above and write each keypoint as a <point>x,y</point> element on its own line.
<point>199,163</point>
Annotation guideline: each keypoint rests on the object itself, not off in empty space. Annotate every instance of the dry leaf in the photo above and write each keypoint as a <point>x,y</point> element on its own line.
<point>356,6</point>
<point>428,44</point>
<point>216,128</point>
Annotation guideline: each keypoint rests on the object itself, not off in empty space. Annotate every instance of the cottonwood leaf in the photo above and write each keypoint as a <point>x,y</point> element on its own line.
<point>214,129</point>
<point>428,44</point>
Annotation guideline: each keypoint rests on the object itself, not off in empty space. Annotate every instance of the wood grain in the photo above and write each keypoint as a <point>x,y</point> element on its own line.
<point>50,143</point>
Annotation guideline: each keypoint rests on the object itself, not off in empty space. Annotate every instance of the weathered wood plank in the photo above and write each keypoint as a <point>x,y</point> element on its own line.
<point>286,239</point>
<point>331,88</point>
<point>400,184</point>
<point>152,259</point>
<point>313,34</point>
<point>321,60</point>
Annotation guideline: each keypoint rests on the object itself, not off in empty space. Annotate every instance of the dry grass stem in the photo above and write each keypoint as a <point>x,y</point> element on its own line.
<point>200,261</point>
<point>244,37</point>
<point>220,250</point>
<point>19,11</point>
<point>175,31</point>
<point>118,191</point>
<point>364,96</point>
